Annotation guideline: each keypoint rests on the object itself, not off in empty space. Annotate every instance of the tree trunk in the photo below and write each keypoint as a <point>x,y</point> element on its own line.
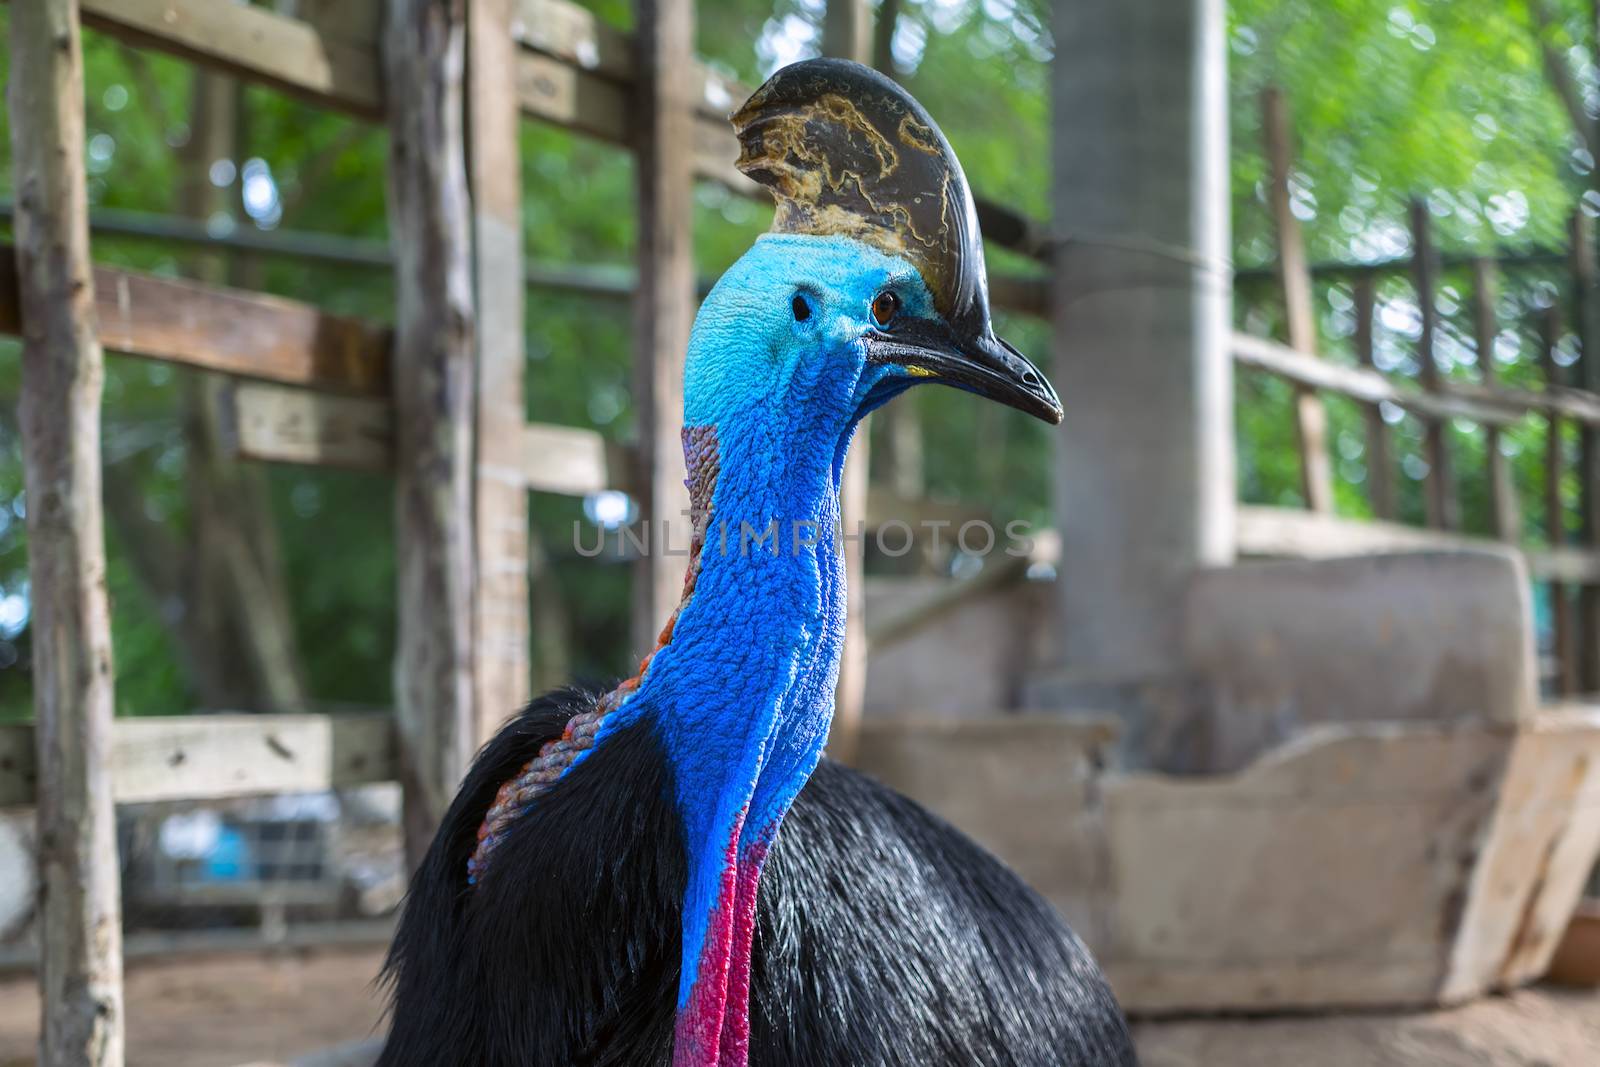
<point>424,46</point>
<point>500,496</point>
<point>80,972</point>
<point>664,302</point>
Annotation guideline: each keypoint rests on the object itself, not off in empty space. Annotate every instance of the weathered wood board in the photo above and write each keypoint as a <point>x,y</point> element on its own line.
<point>198,757</point>
<point>247,334</point>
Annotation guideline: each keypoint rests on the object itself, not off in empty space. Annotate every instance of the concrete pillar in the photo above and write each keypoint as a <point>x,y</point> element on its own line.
<point>1145,474</point>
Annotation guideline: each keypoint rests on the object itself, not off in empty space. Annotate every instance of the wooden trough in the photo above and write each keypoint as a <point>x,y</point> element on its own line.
<point>1390,844</point>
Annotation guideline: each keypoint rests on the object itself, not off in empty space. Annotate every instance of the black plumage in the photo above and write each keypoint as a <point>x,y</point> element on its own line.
<point>884,936</point>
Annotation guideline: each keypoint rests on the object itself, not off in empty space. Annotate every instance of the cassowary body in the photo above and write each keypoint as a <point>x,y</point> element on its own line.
<point>883,936</point>
<point>611,885</point>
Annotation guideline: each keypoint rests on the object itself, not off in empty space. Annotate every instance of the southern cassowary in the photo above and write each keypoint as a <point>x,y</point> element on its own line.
<point>611,885</point>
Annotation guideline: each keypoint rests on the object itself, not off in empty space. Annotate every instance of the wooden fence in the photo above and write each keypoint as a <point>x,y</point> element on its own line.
<point>1570,568</point>
<point>437,401</point>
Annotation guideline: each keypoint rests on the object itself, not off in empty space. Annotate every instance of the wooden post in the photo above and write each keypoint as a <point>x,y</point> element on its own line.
<point>1311,418</point>
<point>500,630</point>
<point>883,37</point>
<point>1380,452</point>
<point>1439,488</point>
<point>1505,517</point>
<point>1586,287</point>
<point>848,34</point>
<point>80,970</point>
<point>423,47</point>
<point>847,30</point>
<point>1554,512</point>
<point>664,302</point>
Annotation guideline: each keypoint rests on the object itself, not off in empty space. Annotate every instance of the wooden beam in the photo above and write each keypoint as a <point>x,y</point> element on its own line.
<point>561,459</point>
<point>1505,516</point>
<point>209,757</point>
<point>251,42</point>
<point>1439,487</point>
<point>275,424</point>
<point>433,387</point>
<point>566,95</point>
<point>1563,628</point>
<point>501,640</point>
<point>1574,404</point>
<point>221,329</point>
<point>575,35</point>
<point>664,305</point>
<point>1369,386</point>
<point>80,976</point>
<point>282,425</point>
<point>1380,450</point>
<point>1311,418</point>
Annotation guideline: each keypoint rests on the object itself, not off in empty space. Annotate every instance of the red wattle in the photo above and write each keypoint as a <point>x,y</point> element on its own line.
<point>714,1029</point>
<point>735,1043</point>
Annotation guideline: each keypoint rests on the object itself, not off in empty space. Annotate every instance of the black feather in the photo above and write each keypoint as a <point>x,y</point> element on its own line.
<point>884,937</point>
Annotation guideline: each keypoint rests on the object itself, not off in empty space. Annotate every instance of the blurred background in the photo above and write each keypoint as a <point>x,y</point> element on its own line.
<point>1469,125</point>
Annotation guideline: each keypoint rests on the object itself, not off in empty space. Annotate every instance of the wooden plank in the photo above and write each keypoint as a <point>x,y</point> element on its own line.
<point>1586,294</point>
<point>1505,517</point>
<point>1311,418</point>
<point>1563,630</point>
<point>562,459</point>
<point>501,641</point>
<point>664,305</point>
<point>565,95</point>
<point>574,34</point>
<point>1574,404</point>
<point>251,42</point>
<point>282,425</point>
<point>206,757</point>
<point>1369,386</point>
<point>1439,487</point>
<point>80,977</point>
<point>227,330</point>
<point>429,220</point>
<point>1380,450</point>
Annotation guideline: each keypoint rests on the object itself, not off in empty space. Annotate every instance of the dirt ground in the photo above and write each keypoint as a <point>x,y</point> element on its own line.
<point>229,1010</point>
<point>222,1011</point>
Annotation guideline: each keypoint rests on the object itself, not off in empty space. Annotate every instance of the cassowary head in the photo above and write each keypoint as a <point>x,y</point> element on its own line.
<point>874,273</point>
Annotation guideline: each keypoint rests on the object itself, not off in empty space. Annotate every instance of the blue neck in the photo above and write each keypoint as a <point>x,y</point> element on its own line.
<point>742,694</point>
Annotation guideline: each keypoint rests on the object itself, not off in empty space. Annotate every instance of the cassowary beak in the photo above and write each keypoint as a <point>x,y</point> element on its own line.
<point>986,365</point>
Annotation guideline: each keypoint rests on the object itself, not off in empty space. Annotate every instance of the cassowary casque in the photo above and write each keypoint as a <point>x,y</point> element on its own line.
<point>668,872</point>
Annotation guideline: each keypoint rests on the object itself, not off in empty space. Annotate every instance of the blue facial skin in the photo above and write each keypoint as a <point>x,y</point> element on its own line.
<point>742,696</point>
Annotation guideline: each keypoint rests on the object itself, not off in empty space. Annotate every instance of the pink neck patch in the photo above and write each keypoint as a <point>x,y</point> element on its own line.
<point>713,1029</point>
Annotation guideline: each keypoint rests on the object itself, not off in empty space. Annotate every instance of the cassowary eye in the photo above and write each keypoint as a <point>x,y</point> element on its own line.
<point>802,309</point>
<point>884,307</point>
